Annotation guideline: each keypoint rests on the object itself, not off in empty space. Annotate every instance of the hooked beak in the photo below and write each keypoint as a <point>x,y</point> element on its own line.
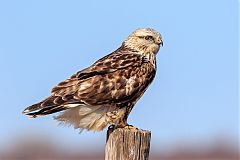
<point>159,41</point>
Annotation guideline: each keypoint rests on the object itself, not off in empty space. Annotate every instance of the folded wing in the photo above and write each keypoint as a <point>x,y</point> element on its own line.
<point>112,79</point>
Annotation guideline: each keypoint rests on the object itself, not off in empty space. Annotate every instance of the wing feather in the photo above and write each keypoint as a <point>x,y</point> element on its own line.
<point>107,81</point>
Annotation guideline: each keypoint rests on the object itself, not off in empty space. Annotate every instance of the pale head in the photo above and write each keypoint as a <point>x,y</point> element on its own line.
<point>146,40</point>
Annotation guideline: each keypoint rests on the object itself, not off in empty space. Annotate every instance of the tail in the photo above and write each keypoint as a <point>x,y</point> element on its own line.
<point>48,106</point>
<point>44,111</point>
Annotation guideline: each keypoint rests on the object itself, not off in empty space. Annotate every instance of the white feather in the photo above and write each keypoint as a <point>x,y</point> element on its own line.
<point>93,118</point>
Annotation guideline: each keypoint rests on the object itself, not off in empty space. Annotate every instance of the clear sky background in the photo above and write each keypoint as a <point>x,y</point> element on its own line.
<point>194,96</point>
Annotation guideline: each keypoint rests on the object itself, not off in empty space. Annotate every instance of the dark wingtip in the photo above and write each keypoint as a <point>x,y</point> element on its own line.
<point>29,113</point>
<point>25,111</point>
<point>32,108</point>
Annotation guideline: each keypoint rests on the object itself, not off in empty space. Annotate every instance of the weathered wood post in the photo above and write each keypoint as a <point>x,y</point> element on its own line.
<point>127,144</point>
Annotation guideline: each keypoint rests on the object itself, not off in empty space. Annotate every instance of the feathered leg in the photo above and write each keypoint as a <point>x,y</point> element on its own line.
<point>123,120</point>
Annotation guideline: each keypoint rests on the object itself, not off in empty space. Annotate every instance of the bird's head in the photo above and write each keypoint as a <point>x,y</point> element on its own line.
<point>146,40</point>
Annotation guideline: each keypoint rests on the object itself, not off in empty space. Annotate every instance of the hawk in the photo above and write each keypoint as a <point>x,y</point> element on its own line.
<point>105,93</point>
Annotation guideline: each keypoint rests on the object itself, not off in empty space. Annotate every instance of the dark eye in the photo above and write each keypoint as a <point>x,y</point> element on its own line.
<point>149,38</point>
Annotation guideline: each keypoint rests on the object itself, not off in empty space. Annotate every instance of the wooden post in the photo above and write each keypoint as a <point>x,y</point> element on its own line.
<point>127,144</point>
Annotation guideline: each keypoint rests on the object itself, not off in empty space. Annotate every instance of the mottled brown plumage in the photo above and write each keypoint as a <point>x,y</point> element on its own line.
<point>105,92</point>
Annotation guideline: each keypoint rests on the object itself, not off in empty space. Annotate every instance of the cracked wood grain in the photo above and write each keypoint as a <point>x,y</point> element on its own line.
<point>127,144</point>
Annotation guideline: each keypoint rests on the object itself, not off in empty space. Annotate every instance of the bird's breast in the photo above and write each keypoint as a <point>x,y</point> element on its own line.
<point>141,77</point>
<point>147,72</point>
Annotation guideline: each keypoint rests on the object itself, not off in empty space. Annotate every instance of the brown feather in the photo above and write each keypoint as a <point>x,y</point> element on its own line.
<point>105,92</point>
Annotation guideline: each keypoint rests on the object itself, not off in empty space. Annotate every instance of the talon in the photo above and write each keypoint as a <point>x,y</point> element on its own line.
<point>110,130</point>
<point>111,127</point>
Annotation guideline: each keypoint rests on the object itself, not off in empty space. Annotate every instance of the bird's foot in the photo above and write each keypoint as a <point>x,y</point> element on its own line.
<point>130,127</point>
<point>113,127</point>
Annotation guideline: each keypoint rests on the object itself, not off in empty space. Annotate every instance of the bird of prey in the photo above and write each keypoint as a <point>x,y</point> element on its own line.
<point>105,93</point>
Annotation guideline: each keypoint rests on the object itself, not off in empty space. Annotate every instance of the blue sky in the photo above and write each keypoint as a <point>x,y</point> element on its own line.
<point>194,95</point>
